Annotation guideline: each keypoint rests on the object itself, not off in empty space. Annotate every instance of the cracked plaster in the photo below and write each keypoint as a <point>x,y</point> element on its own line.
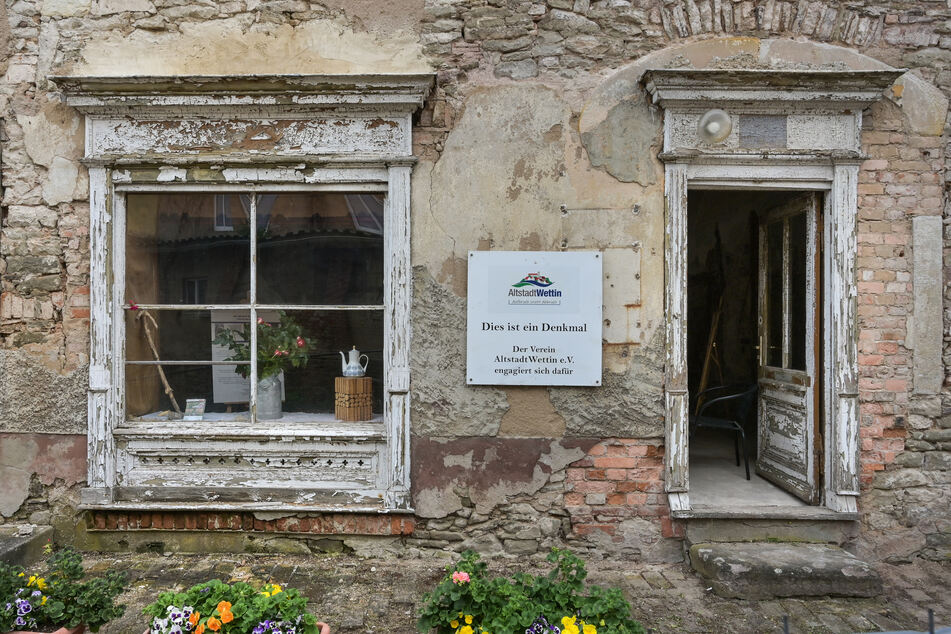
<point>222,47</point>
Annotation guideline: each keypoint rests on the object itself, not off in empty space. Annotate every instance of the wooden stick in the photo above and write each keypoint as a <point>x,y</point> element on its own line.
<point>144,315</point>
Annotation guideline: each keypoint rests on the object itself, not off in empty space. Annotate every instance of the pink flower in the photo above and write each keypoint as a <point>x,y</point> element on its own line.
<point>300,342</point>
<point>133,305</point>
<point>460,577</point>
<point>277,353</point>
<point>260,320</point>
<point>285,352</point>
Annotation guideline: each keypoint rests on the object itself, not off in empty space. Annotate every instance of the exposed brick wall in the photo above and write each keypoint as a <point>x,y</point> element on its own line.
<point>903,177</point>
<point>326,524</point>
<point>618,479</point>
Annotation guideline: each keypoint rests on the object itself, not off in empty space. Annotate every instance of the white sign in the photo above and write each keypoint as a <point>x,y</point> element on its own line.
<point>534,318</point>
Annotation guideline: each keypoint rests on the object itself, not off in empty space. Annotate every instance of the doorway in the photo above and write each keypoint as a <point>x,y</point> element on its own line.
<point>754,358</point>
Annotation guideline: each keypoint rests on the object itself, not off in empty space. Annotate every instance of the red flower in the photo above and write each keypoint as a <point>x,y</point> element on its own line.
<point>300,342</point>
<point>133,305</point>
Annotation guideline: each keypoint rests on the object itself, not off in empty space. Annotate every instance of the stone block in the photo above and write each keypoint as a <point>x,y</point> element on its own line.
<point>937,461</point>
<point>65,8</point>
<point>900,479</point>
<point>522,69</point>
<point>567,23</point>
<point>520,546</point>
<point>22,545</point>
<point>768,570</point>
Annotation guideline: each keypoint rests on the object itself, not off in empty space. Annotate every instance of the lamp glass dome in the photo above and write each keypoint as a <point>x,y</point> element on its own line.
<point>715,126</point>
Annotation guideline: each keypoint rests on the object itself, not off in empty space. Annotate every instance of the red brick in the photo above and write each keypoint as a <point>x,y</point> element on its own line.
<point>616,474</point>
<point>617,499</point>
<point>576,499</point>
<point>596,474</point>
<point>99,520</point>
<point>191,521</point>
<point>595,487</point>
<point>615,462</point>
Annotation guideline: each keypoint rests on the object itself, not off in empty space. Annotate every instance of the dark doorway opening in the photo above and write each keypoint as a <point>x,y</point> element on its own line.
<point>745,294</point>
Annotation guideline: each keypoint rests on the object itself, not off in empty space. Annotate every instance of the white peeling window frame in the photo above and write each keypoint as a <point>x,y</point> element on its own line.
<point>246,134</point>
<point>816,146</point>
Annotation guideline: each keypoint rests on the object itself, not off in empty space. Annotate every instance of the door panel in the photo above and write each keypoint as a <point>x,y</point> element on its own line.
<point>788,317</point>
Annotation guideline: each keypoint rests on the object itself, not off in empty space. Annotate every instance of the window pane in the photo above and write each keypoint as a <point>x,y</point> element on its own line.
<point>320,248</point>
<point>146,397</point>
<point>187,248</point>
<point>799,313</point>
<point>310,388</point>
<point>177,335</point>
<point>774,297</point>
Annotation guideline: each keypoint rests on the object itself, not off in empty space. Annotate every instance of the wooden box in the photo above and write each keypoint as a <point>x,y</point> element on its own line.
<point>353,400</point>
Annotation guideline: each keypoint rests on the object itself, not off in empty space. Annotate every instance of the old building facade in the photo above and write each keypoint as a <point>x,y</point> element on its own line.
<point>190,165</point>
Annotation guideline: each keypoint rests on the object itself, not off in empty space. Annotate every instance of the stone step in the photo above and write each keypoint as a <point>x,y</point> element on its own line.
<point>23,544</point>
<point>749,529</point>
<point>759,570</point>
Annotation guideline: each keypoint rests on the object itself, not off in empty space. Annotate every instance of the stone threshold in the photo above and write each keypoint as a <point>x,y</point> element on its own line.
<point>818,513</point>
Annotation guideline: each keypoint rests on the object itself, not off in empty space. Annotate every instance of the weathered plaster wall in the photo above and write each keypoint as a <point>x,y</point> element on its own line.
<point>537,136</point>
<point>38,474</point>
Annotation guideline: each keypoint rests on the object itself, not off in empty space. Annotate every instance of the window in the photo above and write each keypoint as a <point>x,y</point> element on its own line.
<point>290,211</point>
<point>310,268</point>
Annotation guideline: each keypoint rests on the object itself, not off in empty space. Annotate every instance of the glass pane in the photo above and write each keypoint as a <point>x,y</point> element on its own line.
<point>798,311</point>
<point>177,335</point>
<point>310,388</point>
<point>320,248</point>
<point>147,399</point>
<point>187,248</point>
<point>774,295</point>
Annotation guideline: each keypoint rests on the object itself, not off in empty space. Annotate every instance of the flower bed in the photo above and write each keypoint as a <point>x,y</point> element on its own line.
<point>63,598</point>
<point>468,601</point>
<point>236,608</point>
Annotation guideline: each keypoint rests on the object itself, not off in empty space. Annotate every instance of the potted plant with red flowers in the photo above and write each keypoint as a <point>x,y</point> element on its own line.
<point>63,600</point>
<point>281,346</point>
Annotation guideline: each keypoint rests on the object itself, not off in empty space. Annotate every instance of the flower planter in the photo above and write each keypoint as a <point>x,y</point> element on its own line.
<point>79,629</point>
<point>324,629</point>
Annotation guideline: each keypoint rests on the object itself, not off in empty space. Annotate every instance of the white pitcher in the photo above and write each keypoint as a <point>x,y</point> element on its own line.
<point>353,367</point>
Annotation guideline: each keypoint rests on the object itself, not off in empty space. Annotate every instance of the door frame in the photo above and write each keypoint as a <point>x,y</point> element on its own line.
<point>837,180</point>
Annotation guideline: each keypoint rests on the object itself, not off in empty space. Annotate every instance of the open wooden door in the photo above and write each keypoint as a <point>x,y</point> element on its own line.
<point>789,354</point>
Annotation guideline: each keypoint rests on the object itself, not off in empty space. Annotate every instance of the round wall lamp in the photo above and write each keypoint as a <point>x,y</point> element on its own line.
<point>715,126</point>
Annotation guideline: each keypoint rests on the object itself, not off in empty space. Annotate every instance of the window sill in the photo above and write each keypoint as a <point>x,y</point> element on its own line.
<point>292,425</point>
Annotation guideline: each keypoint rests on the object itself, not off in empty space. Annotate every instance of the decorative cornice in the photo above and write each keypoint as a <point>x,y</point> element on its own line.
<point>291,93</point>
<point>690,89</point>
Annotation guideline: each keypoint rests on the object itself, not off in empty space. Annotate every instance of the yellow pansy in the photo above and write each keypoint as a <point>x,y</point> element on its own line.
<point>454,624</point>
<point>587,628</point>
<point>469,619</point>
<point>465,629</point>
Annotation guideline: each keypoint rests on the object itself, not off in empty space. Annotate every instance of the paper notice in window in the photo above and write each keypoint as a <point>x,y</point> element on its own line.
<point>229,386</point>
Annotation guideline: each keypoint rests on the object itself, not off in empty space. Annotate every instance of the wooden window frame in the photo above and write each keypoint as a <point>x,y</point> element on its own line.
<point>330,133</point>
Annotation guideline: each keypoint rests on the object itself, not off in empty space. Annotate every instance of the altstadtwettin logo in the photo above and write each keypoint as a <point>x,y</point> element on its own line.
<point>540,294</point>
<point>534,279</point>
